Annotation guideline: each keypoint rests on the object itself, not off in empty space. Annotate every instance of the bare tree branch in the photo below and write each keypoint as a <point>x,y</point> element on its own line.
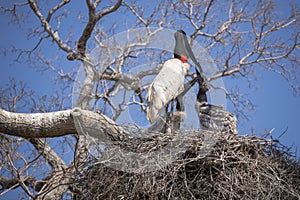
<point>8,184</point>
<point>93,19</point>
<point>56,8</point>
<point>48,153</point>
<point>46,25</point>
<point>39,125</point>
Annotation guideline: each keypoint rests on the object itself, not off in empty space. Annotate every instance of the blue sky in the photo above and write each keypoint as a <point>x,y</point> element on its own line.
<point>277,107</point>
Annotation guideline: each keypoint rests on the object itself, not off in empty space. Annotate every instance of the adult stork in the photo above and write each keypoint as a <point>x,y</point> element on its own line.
<point>169,83</point>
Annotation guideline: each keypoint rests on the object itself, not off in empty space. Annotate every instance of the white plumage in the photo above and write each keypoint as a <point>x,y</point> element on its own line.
<point>166,86</point>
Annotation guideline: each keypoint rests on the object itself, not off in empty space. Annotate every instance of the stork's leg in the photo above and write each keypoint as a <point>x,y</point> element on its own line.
<point>179,103</point>
<point>167,108</point>
<point>172,106</point>
<point>168,128</point>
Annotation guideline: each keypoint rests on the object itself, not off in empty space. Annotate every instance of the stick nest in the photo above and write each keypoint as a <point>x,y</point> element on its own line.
<point>238,167</point>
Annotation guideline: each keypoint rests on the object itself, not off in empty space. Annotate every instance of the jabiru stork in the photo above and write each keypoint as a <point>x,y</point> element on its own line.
<point>169,83</point>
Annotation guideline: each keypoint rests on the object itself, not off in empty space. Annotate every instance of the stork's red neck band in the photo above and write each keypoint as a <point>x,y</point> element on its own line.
<point>183,59</point>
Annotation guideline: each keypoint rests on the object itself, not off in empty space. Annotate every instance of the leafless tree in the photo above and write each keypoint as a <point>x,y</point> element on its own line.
<point>240,36</point>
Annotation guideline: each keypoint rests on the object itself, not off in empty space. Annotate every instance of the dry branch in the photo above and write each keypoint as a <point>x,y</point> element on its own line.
<point>46,25</point>
<point>37,125</point>
<point>93,19</point>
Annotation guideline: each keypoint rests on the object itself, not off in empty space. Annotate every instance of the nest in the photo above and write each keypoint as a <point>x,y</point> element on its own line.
<point>238,167</point>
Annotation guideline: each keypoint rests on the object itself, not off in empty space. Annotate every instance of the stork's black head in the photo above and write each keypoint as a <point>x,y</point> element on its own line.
<point>183,49</point>
<point>180,50</point>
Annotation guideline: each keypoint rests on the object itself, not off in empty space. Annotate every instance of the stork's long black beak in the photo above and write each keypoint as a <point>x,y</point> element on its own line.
<point>183,48</point>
